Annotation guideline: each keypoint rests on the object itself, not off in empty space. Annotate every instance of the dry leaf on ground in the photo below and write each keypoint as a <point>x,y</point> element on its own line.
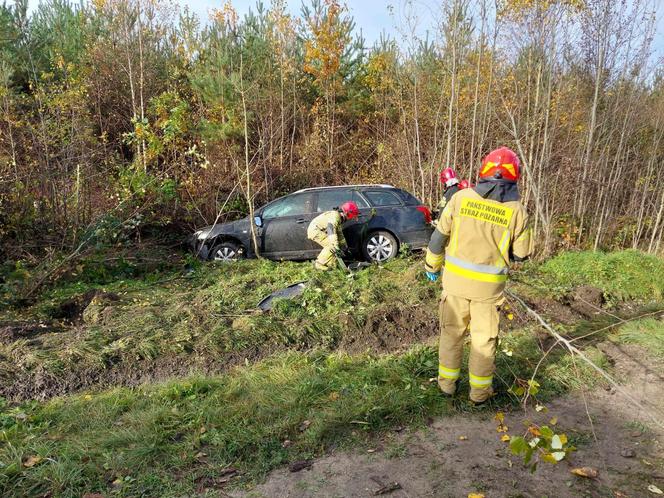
<point>32,461</point>
<point>585,472</point>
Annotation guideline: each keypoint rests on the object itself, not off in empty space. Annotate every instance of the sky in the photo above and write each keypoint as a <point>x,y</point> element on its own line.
<point>372,17</point>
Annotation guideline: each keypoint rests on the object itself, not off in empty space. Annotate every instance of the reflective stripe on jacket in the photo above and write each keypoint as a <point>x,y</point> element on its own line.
<point>475,237</point>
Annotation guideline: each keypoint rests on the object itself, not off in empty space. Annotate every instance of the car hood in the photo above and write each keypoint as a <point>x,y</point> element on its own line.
<point>238,227</point>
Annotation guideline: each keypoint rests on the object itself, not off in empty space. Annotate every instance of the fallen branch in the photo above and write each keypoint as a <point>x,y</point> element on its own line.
<point>657,419</point>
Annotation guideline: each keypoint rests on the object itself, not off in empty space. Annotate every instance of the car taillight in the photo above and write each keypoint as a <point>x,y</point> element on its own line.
<point>425,211</point>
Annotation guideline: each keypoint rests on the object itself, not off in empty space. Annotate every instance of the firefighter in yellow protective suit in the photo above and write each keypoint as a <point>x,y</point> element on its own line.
<point>479,232</point>
<point>325,230</point>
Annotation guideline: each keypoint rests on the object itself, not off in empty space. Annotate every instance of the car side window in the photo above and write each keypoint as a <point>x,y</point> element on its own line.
<point>329,199</point>
<point>292,205</point>
<point>382,198</point>
<point>408,198</point>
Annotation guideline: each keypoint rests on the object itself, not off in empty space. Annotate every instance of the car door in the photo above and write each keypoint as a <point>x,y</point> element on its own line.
<point>285,223</point>
<point>335,197</point>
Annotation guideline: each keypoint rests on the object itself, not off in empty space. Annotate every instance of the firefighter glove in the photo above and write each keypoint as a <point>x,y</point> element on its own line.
<point>433,276</point>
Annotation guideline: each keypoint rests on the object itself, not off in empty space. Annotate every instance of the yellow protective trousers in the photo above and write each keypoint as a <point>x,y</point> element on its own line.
<point>456,314</point>
<point>326,259</point>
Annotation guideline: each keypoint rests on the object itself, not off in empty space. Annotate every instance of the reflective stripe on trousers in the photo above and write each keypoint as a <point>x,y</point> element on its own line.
<point>480,382</point>
<point>448,373</point>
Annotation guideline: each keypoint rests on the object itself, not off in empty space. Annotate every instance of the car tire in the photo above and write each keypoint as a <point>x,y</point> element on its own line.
<point>226,252</point>
<point>380,246</point>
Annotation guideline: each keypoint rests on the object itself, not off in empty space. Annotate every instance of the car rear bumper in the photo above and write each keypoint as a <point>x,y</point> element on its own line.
<point>417,239</point>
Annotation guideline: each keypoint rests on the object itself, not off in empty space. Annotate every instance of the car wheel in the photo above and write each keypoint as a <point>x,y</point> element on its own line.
<point>226,251</point>
<point>380,246</point>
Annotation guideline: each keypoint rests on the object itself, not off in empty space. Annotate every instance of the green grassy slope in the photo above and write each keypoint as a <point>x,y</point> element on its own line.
<point>169,439</point>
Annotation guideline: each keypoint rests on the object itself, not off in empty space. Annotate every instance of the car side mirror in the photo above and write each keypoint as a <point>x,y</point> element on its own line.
<point>258,221</point>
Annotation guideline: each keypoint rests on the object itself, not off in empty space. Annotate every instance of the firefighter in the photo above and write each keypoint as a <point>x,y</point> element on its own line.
<point>481,230</point>
<point>325,230</point>
<point>450,187</point>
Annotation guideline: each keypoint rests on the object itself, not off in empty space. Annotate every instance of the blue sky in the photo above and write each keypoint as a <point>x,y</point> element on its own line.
<point>372,16</point>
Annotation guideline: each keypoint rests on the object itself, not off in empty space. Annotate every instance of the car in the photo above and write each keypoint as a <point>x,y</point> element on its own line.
<point>389,219</point>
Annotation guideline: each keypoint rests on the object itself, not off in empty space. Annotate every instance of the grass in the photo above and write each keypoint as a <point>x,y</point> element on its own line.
<point>187,313</point>
<point>172,439</point>
<point>167,439</point>
<point>623,275</point>
<point>209,313</point>
<point>648,332</point>
<point>140,436</point>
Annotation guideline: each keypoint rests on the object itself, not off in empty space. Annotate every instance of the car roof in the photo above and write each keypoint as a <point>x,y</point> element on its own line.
<point>344,186</point>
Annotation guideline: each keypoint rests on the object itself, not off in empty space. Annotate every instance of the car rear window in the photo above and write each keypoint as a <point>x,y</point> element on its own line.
<point>382,198</point>
<point>329,199</point>
<point>292,205</point>
<point>408,198</point>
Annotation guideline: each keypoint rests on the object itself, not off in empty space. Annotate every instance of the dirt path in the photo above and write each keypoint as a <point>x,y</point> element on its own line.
<point>628,451</point>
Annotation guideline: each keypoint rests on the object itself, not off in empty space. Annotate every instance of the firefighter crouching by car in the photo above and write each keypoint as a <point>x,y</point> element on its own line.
<point>325,230</point>
<point>480,231</point>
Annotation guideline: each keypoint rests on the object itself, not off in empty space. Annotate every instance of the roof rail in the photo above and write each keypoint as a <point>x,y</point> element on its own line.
<point>379,185</point>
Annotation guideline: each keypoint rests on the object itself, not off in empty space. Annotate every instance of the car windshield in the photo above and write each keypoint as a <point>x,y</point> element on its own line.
<point>292,205</point>
<point>329,199</point>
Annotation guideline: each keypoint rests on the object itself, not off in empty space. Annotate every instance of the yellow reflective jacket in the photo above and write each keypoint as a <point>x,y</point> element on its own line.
<point>480,235</point>
<point>326,226</point>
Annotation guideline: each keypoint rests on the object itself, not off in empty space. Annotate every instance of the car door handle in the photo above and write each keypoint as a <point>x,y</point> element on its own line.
<point>300,221</point>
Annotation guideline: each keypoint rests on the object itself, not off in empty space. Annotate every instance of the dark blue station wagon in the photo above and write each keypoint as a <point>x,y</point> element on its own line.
<point>389,218</point>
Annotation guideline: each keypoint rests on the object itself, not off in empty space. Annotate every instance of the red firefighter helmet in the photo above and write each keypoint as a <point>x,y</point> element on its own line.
<point>501,163</point>
<point>350,210</point>
<point>465,184</point>
<point>448,177</point>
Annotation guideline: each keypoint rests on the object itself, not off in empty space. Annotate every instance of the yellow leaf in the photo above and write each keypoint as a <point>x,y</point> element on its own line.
<point>505,437</point>
<point>553,421</point>
<point>475,495</point>
<point>500,417</point>
<point>563,438</point>
<point>510,316</point>
<point>501,428</point>
<point>334,396</point>
<point>585,472</point>
<point>541,408</point>
<point>462,438</point>
<point>87,397</point>
<point>32,461</point>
